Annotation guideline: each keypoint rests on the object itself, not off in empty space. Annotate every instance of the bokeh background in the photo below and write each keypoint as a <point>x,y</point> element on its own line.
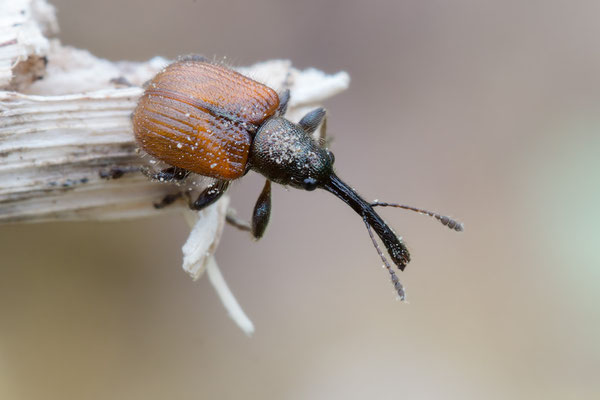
<point>486,110</point>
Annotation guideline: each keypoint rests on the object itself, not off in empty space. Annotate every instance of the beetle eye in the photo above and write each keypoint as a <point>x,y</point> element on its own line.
<point>331,156</point>
<point>310,184</point>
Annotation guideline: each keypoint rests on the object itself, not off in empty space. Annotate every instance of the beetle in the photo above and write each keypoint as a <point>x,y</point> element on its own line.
<point>202,117</point>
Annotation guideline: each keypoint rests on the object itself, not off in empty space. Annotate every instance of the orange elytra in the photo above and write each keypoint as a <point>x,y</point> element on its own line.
<point>201,117</point>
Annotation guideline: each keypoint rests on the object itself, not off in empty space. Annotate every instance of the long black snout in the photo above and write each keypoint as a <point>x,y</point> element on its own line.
<point>396,249</point>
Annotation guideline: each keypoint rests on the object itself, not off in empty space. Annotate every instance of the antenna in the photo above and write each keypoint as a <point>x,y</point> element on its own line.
<point>447,221</point>
<point>395,281</point>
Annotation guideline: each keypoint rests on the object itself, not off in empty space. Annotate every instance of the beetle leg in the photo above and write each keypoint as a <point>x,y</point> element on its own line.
<point>262,211</point>
<point>284,99</point>
<point>209,195</point>
<point>323,139</point>
<point>310,122</point>
<point>121,81</point>
<point>117,172</point>
<point>232,219</point>
<point>168,200</point>
<point>260,218</point>
<point>170,174</point>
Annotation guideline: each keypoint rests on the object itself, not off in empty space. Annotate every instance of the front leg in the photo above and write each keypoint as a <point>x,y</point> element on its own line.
<point>209,195</point>
<point>311,121</point>
<point>262,211</point>
<point>284,99</point>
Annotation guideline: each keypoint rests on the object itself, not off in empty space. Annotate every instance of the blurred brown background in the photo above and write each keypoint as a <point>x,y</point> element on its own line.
<point>487,110</point>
